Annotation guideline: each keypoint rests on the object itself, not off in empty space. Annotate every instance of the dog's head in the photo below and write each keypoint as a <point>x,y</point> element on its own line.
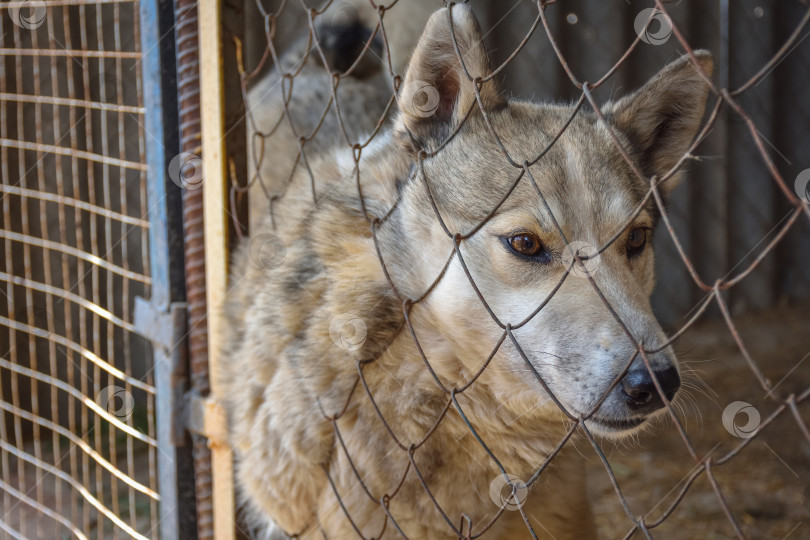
<point>519,229</point>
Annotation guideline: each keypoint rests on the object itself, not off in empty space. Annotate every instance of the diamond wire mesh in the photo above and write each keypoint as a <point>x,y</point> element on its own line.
<point>78,445</point>
<point>724,100</point>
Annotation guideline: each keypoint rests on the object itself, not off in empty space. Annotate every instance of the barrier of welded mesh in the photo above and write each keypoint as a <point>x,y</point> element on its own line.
<point>78,448</point>
<point>555,24</point>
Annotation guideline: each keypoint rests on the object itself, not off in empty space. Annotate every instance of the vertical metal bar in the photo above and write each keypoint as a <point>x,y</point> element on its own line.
<point>13,307</point>
<point>32,271</point>
<point>188,97</point>
<point>157,67</point>
<point>84,332</point>
<point>7,340</point>
<point>175,463</point>
<point>58,129</point>
<point>75,117</point>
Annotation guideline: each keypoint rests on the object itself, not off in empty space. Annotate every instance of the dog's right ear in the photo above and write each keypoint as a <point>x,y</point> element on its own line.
<point>437,93</point>
<point>663,116</point>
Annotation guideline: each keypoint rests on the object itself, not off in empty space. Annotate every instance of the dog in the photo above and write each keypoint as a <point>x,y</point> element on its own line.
<point>282,110</point>
<point>402,340</point>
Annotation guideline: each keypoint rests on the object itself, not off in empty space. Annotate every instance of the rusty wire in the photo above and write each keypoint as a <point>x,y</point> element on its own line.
<point>75,254</point>
<point>725,98</point>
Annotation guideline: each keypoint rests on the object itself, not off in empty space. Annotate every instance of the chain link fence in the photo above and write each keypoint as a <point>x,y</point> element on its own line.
<point>79,443</point>
<point>732,240</point>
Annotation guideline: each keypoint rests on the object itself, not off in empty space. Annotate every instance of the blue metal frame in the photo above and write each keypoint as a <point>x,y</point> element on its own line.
<point>165,308</point>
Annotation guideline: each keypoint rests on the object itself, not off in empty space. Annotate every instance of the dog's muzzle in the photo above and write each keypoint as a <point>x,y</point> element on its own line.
<point>636,398</point>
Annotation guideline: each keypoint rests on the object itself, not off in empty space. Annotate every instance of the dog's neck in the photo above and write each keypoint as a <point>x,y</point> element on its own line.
<point>520,428</point>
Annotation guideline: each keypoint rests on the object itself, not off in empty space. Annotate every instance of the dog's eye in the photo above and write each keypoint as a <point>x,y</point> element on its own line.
<point>636,241</point>
<point>527,245</point>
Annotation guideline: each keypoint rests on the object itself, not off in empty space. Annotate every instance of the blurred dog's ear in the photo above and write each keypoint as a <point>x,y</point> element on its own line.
<point>662,117</point>
<point>437,93</point>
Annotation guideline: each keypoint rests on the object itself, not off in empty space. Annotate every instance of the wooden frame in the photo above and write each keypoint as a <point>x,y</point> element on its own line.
<point>216,254</point>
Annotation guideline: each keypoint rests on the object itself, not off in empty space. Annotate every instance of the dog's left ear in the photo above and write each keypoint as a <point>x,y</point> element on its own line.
<point>437,93</point>
<point>661,118</point>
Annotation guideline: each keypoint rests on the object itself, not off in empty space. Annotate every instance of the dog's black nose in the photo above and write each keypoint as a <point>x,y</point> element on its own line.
<point>640,392</point>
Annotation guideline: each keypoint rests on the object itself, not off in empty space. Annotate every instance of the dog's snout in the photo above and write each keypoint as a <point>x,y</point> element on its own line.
<point>640,392</point>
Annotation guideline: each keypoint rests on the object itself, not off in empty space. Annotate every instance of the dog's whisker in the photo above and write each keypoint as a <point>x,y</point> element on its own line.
<point>696,377</point>
<point>702,389</point>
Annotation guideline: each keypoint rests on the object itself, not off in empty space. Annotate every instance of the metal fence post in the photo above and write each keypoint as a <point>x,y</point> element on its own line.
<point>163,318</point>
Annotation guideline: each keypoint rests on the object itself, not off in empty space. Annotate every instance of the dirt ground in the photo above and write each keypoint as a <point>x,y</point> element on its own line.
<point>766,486</point>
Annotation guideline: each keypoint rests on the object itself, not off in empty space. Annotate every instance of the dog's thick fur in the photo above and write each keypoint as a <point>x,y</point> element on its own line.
<point>287,368</point>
